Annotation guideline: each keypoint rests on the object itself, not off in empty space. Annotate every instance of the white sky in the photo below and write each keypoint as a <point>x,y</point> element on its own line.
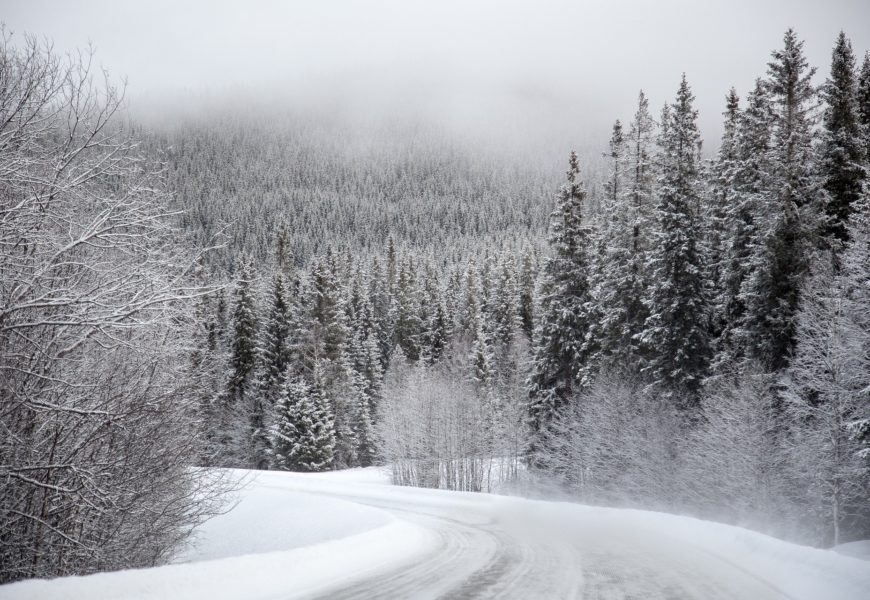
<point>536,66</point>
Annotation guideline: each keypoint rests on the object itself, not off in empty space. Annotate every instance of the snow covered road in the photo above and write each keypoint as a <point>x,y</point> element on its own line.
<point>349,535</point>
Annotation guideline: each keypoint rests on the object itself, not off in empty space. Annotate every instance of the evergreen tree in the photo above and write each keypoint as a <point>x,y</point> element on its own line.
<point>304,437</point>
<point>382,315</point>
<point>747,172</point>
<point>368,381</point>
<point>363,370</point>
<point>842,150</point>
<point>526,294</point>
<point>624,225</point>
<point>284,259</point>
<point>482,357</point>
<point>303,344</point>
<point>563,340</point>
<point>409,326</point>
<point>471,309</point>
<point>505,304</point>
<point>616,156</point>
<point>221,318</point>
<point>452,300</point>
<point>361,401</point>
<point>391,264</point>
<point>433,318</point>
<point>781,261</point>
<point>356,311</point>
<point>275,343</point>
<point>242,396</point>
<point>863,102</point>
<point>640,165</point>
<point>485,293</point>
<point>328,310</point>
<point>332,339</point>
<point>723,196</point>
<point>675,334</point>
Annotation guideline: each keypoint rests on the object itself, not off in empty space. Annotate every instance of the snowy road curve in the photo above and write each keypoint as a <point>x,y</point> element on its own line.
<point>349,535</point>
<point>501,548</point>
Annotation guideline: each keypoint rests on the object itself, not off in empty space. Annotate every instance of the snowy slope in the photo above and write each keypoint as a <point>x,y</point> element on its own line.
<point>350,535</point>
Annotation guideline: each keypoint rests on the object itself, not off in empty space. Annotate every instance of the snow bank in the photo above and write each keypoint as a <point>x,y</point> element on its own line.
<point>267,519</point>
<point>275,543</point>
<point>287,574</point>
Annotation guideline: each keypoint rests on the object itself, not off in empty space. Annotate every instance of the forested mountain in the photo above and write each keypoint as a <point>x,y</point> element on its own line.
<point>353,186</point>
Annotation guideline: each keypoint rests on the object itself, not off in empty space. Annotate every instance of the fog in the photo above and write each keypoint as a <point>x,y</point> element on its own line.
<point>543,71</point>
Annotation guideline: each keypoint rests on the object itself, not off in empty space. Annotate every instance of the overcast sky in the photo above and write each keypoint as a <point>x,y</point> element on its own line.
<point>481,66</point>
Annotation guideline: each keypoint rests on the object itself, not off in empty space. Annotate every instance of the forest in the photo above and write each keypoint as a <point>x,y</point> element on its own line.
<point>658,327</point>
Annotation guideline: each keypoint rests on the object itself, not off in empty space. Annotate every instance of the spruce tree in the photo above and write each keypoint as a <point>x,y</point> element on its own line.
<point>722,196</point>
<point>409,326</point>
<point>284,259</point>
<point>482,357</point>
<point>243,348</point>
<point>564,343</point>
<point>675,335</point>
<point>526,294</point>
<point>842,149</point>
<point>780,262</point>
<point>304,437</point>
<point>863,103</point>
<point>241,403</point>
<point>433,317</point>
<point>332,339</point>
<point>616,159</point>
<point>505,301</point>
<point>470,309</point>
<point>362,424</point>
<point>304,329</point>
<point>624,225</point>
<point>380,301</point>
<point>747,172</point>
<point>640,167</point>
<point>328,309</point>
<point>363,371</point>
<point>275,343</point>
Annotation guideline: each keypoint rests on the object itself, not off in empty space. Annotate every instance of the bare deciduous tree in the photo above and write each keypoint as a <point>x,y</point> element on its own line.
<point>96,425</point>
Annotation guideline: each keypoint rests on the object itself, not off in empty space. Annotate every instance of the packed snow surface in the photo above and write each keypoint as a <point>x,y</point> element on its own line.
<point>860,549</point>
<point>349,534</point>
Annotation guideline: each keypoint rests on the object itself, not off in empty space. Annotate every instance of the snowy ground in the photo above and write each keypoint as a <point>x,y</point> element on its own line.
<point>857,549</point>
<point>350,535</point>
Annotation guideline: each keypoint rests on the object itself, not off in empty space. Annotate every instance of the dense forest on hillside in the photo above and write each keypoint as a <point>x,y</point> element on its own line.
<point>354,187</point>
